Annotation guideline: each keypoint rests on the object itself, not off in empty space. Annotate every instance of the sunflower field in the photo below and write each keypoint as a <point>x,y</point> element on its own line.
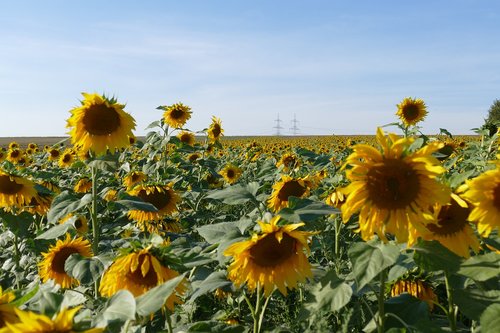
<point>189,231</point>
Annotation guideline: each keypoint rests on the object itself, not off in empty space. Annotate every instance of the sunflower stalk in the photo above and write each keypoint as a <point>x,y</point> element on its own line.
<point>17,258</point>
<point>95,222</point>
<point>381,298</point>
<point>452,309</point>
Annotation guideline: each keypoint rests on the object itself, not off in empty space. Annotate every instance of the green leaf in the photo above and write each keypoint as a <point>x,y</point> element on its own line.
<point>120,307</point>
<point>214,327</point>
<point>490,319</point>
<point>472,302</point>
<point>86,270</point>
<point>66,203</point>
<point>369,259</point>
<point>481,267</point>
<point>432,257</point>
<point>138,205</point>
<point>236,194</point>
<point>305,210</point>
<point>26,297</point>
<point>18,224</point>
<point>55,231</point>
<point>155,299</point>
<point>108,162</point>
<point>330,294</point>
<point>215,233</point>
<point>211,283</point>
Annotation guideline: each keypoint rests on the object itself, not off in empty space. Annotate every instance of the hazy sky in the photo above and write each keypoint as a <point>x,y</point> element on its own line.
<point>339,66</point>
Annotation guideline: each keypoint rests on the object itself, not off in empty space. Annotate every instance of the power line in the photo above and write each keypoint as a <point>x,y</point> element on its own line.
<point>294,128</point>
<point>278,125</point>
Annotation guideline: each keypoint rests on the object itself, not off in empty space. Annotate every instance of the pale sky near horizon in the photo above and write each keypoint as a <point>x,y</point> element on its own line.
<point>337,66</point>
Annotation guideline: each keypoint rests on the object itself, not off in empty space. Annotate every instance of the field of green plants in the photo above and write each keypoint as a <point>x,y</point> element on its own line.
<point>186,231</point>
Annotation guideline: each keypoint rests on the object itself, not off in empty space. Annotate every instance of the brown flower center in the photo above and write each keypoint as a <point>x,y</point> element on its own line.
<point>66,158</point>
<point>451,219</point>
<point>496,197</point>
<point>392,184</point>
<point>216,130</point>
<point>411,112</point>
<point>60,259</point>
<point>150,279</point>
<point>54,152</point>
<point>291,188</point>
<point>8,186</point>
<point>230,173</point>
<point>100,119</point>
<point>268,252</point>
<point>14,153</point>
<point>177,114</point>
<point>156,198</point>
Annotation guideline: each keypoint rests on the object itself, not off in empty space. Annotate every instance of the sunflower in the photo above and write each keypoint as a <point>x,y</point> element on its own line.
<point>336,198</point>
<point>231,173</point>
<point>484,193</point>
<point>13,145</point>
<point>186,137</point>
<point>139,272</point>
<point>193,157</point>
<point>78,221</point>
<point>215,130</point>
<point>54,154</point>
<point>394,188</point>
<point>31,322</point>
<point>15,191</point>
<point>286,188</point>
<point>133,178</point>
<point>132,139</point>
<point>100,124</point>
<point>176,115</point>
<point>52,265</point>
<point>289,162</point>
<point>66,159</point>
<point>411,110</point>
<point>165,200</point>
<point>111,195</point>
<point>14,155</point>
<point>417,288</point>
<point>3,155</point>
<point>451,229</point>
<point>40,203</point>
<point>7,313</point>
<point>273,258</point>
<point>83,185</point>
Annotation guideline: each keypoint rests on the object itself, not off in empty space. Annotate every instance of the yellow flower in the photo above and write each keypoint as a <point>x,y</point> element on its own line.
<point>54,154</point>
<point>274,258</point>
<point>393,189</point>
<point>411,110</point>
<point>40,203</point>
<point>14,155</point>
<point>138,272</point>
<point>13,145</point>
<point>52,265</point>
<point>231,173</point>
<point>31,322</point>
<point>288,161</point>
<point>484,193</point>
<point>215,130</point>
<point>83,185</point>
<point>7,313</point>
<point>99,124</point>
<point>286,188</point>
<point>336,198</point>
<point>417,288</point>
<point>186,137</point>
<point>177,115</point>
<point>78,221</point>
<point>66,159</point>
<point>134,178</point>
<point>15,191</point>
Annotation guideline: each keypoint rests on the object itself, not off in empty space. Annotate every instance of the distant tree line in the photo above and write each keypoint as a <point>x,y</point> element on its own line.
<point>492,122</point>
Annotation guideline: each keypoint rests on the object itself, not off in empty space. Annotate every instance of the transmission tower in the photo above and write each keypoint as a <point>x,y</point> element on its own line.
<point>294,128</point>
<point>278,125</point>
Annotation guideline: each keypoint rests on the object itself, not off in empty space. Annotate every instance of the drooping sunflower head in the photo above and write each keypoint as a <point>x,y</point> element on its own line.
<point>286,188</point>
<point>133,178</point>
<point>15,191</point>
<point>7,313</point>
<point>52,265</point>
<point>176,115</point>
<point>40,203</point>
<point>83,185</point>
<point>276,257</point>
<point>138,272</point>
<point>231,173</point>
<point>336,198</point>
<point>186,137</point>
<point>100,124</point>
<point>417,288</point>
<point>411,110</point>
<point>394,187</point>
<point>215,130</point>
<point>289,161</point>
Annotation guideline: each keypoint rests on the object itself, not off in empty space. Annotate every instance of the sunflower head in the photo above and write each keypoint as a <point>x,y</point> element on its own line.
<point>133,178</point>
<point>186,137</point>
<point>15,191</point>
<point>417,288</point>
<point>275,257</point>
<point>231,173</point>
<point>52,265</point>
<point>7,311</point>
<point>83,185</point>
<point>66,159</point>
<point>13,145</point>
<point>54,154</point>
<point>14,155</point>
<point>176,115</point>
<point>215,130</point>
<point>411,110</point>
<point>78,221</point>
<point>289,161</point>
<point>100,124</point>
<point>336,199</point>
<point>286,188</point>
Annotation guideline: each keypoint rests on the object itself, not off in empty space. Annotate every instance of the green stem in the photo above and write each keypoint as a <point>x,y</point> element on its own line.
<point>381,298</point>
<point>256,327</point>
<point>451,313</point>
<point>169,322</point>
<point>95,222</point>
<point>261,316</point>
<point>16,260</point>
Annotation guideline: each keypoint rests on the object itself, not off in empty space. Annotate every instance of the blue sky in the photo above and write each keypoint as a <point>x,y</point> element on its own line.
<point>338,66</point>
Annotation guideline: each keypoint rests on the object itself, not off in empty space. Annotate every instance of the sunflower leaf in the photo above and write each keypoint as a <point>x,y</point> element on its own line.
<point>17,224</point>
<point>331,293</point>
<point>85,270</point>
<point>236,194</point>
<point>153,300</point>
<point>472,302</point>
<point>305,210</point>
<point>55,231</point>
<point>490,319</point>
<point>212,282</point>
<point>481,267</point>
<point>432,256</point>
<point>120,307</point>
<point>65,203</point>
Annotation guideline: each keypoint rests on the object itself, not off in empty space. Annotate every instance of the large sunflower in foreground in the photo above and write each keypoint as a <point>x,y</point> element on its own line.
<point>176,115</point>
<point>273,258</point>
<point>231,173</point>
<point>164,199</point>
<point>31,322</point>
<point>393,188</point>
<point>411,110</point>
<point>15,191</point>
<point>484,193</point>
<point>138,272</point>
<point>7,313</point>
<point>215,130</point>
<point>100,124</point>
<point>52,265</point>
<point>286,188</point>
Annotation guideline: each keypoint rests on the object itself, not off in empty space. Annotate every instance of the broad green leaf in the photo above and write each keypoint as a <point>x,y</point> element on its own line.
<point>107,162</point>
<point>472,302</point>
<point>138,205</point>
<point>432,256</point>
<point>26,297</point>
<point>55,231</point>
<point>305,210</point>
<point>236,194</point>
<point>66,203</point>
<point>121,306</point>
<point>155,299</point>
<point>330,294</point>
<point>215,233</point>
<point>481,267</point>
<point>85,270</point>
<point>212,282</point>
<point>490,319</point>
<point>214,327</point>
<point>17,224</point>
<point>369,259</point>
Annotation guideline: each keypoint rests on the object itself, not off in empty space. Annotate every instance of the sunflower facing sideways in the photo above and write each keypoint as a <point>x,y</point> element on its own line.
<point>31,322</point>
<point>52,265</point>
<point>285,188</point>
<point>15,191</point>
<point>186,137</point>
<point>215,130</point>
<point>411,111</point>
<point>100,124</point>
<point>138,272</point>
<point>275,257</point>
<point>176,115</point>
<point>231,173</point>
<point>393,188</point>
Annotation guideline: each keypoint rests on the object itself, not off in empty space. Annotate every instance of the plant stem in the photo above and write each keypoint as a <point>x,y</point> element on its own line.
<point>169,322</point>
<point>16,260</point>
<point>95,222</point>
<point>451,313</point>
<point>261,316</point>
<point>256,327</point>
<point>381,297</point>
